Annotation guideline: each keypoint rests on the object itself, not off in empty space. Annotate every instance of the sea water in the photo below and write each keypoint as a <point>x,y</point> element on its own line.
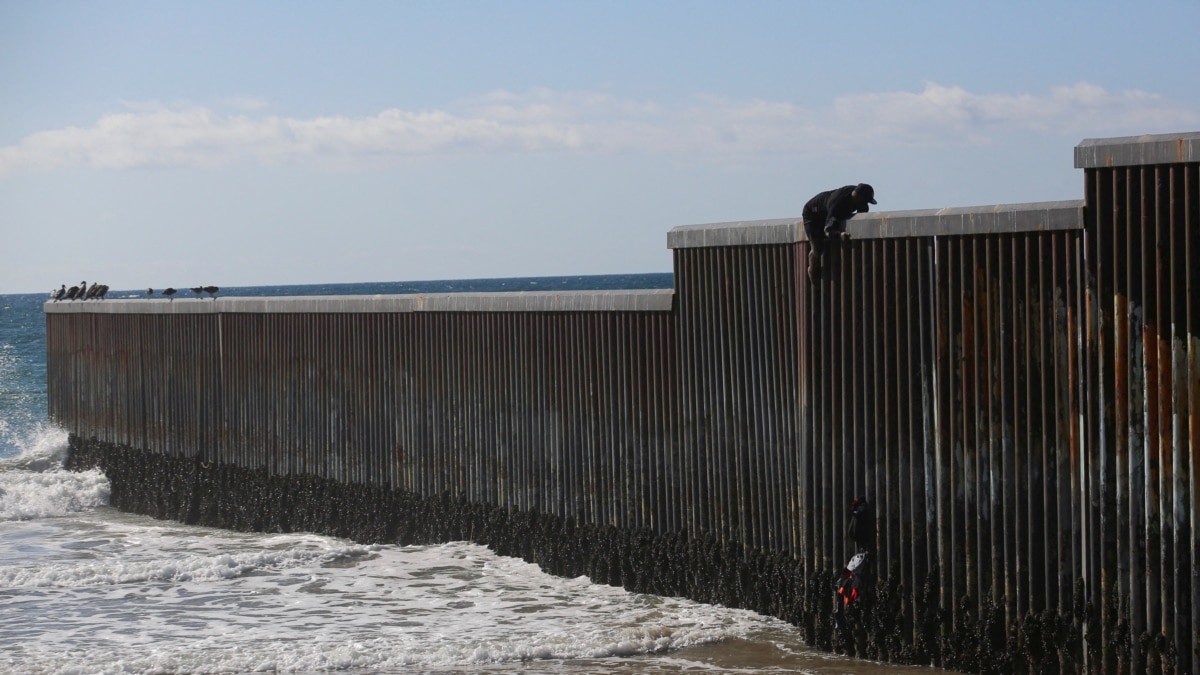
<point>85,588</point>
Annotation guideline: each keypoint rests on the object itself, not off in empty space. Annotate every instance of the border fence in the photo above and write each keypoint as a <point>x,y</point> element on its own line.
<point>1015,389</point>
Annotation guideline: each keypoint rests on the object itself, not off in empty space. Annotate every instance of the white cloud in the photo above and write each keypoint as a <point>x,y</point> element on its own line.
<point>952,115</point>
<point>542,120</point>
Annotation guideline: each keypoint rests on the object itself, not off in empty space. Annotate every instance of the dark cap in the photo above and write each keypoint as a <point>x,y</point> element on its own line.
<point>866,192</point>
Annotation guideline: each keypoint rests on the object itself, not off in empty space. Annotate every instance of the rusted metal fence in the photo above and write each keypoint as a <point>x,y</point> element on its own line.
<point>1015,389</point>
<point>937,374</point>
<point>1141,550</point>
<point>568,411</point>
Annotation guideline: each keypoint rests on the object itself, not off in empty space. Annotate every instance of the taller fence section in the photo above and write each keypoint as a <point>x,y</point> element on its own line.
<point>737,313</point>
<point>934,370</point>
<point>1141,550</point>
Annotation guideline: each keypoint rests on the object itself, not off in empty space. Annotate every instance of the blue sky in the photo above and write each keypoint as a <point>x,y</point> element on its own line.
<point>158,143</point>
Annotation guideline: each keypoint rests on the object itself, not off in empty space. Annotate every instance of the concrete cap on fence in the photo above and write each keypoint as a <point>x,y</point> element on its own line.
<point>644,300</point>
<point>1095,153</point>
<point>996,219</point>
<point>742,233</point>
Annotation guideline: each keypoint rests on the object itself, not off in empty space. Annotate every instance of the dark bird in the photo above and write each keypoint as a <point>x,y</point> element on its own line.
<point>102,291</point>
<point>92,290</point>
<point>197,289</point>
<point>60,293</point>
<point>170,292</point>
<point>149,291</point>
<point>74,292</point>
<point>212,290</point>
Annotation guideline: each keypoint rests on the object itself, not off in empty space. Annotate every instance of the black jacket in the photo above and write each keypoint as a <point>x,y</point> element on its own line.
<point>828,208</point>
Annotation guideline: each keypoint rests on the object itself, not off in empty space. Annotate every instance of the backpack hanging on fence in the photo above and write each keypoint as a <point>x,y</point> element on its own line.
<point>851,584</point>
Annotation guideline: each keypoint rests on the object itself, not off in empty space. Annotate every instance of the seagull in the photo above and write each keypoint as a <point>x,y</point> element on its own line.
<point>169,292</point>
<point>60,293</point>
<point>212,290</point>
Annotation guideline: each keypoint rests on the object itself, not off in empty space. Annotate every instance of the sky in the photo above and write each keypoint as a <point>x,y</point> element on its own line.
<point>162,143</point>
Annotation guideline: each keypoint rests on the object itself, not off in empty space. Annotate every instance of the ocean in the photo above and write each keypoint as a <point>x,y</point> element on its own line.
<point>85,588</point>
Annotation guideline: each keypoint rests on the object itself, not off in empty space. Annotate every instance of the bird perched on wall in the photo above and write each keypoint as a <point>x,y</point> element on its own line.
<point>59,294</point>
<point>102,291</point>
<point>212,290</point>
<point>92,290</point>
<point>197,290</point>
<point>170,293</point>
<point>74,291</point>
<point>149,291</point>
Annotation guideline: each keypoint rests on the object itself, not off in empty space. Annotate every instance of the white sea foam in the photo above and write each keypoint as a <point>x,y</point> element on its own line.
<point>125,568</point>
<point>39,445</point>
<point>34,485</point>
<point>168,598</point>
